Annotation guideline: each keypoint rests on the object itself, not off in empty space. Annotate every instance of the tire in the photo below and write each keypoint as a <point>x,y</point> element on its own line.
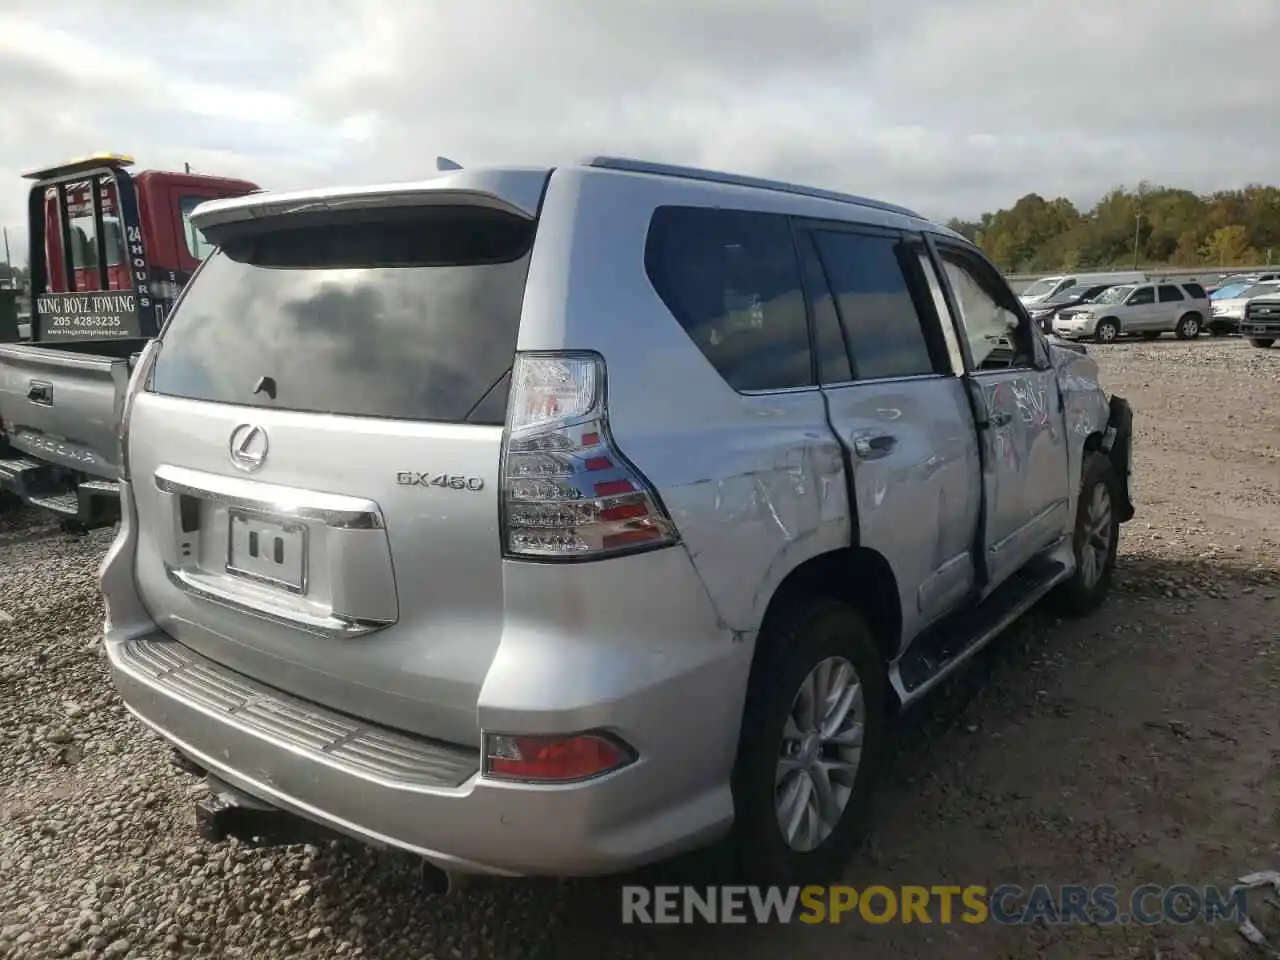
<point>1091,581</point>
<point>1151,335</point>
<point>1107,330</point>
<point>811,633</point>
<point>1261,342</point>
<point>1188,327</point>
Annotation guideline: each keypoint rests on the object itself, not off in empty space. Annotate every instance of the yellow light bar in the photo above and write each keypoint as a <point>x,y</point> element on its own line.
<point>96,161</point>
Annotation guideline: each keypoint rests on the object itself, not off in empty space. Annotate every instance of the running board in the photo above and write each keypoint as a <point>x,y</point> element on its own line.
<point>943,647</point>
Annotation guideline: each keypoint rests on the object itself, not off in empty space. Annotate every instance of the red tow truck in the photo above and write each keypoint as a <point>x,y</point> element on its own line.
<point>110,252</point>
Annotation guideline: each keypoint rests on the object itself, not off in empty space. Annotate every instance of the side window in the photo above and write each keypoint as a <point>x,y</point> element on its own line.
<point>992,329</point>
<point>1169,293</point>
<point>878,312</point>
<point>1195,291</point>
<point>197,245</point>
<point>833,353</point>
<point>732,281</point>
<point>1141,297</point>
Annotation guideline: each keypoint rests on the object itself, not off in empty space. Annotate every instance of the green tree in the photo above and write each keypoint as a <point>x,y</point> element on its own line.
<point>1229,247</point>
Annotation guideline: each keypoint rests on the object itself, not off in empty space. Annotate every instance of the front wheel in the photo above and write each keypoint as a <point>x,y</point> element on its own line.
<point>1095,540</point>
<point>811,731</point>
<point>1261,342</point>
<point>1188,327</point>
<point>1106,331</point>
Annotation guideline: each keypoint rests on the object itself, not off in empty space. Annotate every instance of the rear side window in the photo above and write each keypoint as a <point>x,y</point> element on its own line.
<point>873,297</point>
<point>1169,293</point>
<point>409,314</point>
<point>1195,291</point>
<point>732,281</point>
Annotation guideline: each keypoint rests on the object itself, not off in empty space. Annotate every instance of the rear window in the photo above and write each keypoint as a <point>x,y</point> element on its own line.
<point>409,314</point>
<point>1195,291</point>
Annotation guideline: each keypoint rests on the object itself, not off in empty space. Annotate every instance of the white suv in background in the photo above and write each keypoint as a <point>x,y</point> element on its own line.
<point>1148,309</point>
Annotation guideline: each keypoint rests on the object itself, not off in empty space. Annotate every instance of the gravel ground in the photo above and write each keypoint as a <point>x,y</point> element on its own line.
<point>1139,745</point>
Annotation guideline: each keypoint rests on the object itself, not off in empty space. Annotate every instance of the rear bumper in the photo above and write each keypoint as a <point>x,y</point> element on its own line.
<point>679,707</point>
<point>87,499</point>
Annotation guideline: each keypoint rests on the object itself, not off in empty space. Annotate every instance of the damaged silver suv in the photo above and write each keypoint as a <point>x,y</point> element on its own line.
<point>554,521</point>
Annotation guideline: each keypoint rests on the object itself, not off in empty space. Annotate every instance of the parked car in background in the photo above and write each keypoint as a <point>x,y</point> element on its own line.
<point>1233,279</point>
<point>409,464</point>
<point>1261,322</point>
<point>1227,304</point>
<point>1047,287</point>
<point>1148,309</point>
<point>1045,310</point>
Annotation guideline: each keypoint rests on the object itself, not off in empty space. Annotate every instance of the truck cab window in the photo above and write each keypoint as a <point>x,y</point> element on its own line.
<point>197,245</point>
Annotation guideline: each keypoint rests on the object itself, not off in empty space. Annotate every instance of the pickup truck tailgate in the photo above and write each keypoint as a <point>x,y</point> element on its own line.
<point>63,407</point>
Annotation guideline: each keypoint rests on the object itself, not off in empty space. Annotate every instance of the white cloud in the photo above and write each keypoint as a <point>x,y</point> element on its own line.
<point>951,106</point>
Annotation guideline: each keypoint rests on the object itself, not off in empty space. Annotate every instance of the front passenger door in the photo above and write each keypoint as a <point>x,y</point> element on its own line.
<point>1022,430</point>
<point>1141,312</point>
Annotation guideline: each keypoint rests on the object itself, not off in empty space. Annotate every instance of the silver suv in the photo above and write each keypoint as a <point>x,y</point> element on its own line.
<point>553,521</point>
<point>1149,309</point>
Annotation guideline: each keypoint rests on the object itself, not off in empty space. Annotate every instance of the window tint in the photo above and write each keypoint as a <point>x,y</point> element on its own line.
<point>1142,295</point>
<point>1169,293</point>
<point>988,325</point>
<point>833,355</point>
<point>876,307</point>
<point>394,314</point>
<point>1195,291</point>
<point>197,245</point>
<point>732,281</point>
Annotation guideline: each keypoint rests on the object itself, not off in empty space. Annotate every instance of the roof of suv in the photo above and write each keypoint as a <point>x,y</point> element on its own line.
<point>516,190</point>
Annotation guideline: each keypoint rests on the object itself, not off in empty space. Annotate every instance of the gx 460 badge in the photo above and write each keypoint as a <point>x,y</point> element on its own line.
<point>451,481</point>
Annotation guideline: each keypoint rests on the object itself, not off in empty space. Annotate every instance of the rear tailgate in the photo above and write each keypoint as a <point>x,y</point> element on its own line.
<point>63,407</point>
<point>315,460</point>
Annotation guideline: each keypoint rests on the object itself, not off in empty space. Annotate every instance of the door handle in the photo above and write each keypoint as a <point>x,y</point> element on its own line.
<point>41,393</point>
<point>873,448</point>
<point>1001,418</point>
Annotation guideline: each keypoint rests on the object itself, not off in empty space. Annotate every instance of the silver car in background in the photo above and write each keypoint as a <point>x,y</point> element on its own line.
<point>1147,309</point>
<point>555,521</point>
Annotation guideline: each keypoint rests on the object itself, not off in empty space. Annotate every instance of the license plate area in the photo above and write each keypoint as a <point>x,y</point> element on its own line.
<point>266,550</point>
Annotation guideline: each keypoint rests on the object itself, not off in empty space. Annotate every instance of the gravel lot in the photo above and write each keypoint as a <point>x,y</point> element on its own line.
<point>1139,745</point>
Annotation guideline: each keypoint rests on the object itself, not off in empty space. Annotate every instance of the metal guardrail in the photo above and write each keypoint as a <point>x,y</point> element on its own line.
<point>1020,281</point>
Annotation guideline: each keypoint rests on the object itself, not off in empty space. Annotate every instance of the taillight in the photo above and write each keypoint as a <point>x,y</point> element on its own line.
<point>553,759</point>
<point>137,381</point>
<point>567,490</point>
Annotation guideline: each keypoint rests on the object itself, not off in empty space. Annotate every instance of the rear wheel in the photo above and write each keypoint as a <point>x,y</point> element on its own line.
<point>1095,540</point>
<point>1107,330</point>
<point>1261,342</point>
<point>1188,327</point>
<point>811,731</point>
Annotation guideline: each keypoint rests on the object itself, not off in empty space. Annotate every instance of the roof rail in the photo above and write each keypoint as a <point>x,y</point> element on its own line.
<point>715,176</point>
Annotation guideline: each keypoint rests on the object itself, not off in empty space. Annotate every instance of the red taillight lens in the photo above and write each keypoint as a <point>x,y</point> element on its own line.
<point>551,759</point>
<point>567,491</point>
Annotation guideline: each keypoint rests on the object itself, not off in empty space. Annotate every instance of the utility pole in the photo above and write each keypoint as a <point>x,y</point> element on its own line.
<point>9,263</point>
<point>187,167</point>
<point>1137,226</point>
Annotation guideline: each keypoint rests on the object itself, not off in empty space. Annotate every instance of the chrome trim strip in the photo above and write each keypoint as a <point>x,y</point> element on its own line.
<point>333,626</point>
<point>331,509</point>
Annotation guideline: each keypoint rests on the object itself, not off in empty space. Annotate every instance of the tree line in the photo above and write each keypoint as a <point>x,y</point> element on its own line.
<point>1148,226</point>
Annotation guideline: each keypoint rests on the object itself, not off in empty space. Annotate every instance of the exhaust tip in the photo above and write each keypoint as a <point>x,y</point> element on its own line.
<point>435,882</point>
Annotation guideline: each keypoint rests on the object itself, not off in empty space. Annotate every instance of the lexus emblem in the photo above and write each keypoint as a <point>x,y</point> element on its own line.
<point>248,447</point>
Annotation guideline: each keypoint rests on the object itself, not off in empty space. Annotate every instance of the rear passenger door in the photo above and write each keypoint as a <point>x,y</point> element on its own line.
<point>1172,300</point>
<point>896,403</point>
<point>1025,480</point>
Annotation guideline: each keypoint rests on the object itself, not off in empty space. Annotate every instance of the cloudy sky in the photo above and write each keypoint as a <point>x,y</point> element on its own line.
<point>951,106</point>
